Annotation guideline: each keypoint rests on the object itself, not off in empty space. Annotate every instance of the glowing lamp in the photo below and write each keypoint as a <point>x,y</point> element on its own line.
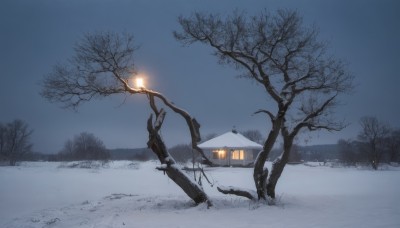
<point>139,83</point>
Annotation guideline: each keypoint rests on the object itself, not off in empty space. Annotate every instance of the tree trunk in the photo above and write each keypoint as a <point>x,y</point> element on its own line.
<point>278,166</point>
<point>260,174</point>
<point>375,160</point>
<point>192,189</point>
<point>375,155</point>
<point>13,159</point>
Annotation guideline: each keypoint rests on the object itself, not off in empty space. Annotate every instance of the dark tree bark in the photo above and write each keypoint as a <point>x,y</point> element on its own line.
<point>279,164</point>
<point>260,174</point>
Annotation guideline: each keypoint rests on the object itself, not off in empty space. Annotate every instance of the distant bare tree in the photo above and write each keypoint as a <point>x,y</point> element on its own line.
<point>102,66</point>
<point>286,59</point>
<point>347,152</point>
<point>295,155</point>
<point>67,151</point>
<point>209,136</point>
<point>373,134</point>
<point>181,153</point>
<point>15,141</point>
<point>393,145</point>
<point>253,135</point>
<point>3,131</point>
<point>143,156</point>
<point>85,146</point>
<point>88,147</point>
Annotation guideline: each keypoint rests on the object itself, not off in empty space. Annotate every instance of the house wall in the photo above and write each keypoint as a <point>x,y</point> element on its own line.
<point>228,160</point>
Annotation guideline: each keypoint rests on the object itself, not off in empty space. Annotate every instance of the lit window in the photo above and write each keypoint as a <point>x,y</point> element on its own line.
<point>219,154</point>
<point>237,155</point>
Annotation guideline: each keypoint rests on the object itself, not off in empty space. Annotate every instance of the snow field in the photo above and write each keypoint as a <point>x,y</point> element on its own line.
<point>126,194</point>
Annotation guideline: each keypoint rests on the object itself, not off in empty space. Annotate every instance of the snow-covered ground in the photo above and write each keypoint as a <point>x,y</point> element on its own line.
<point>126,194</point>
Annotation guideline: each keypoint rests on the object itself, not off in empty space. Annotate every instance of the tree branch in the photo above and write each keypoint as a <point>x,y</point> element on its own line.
<point>312,115</point>
<point>271,116</point>
<point>249,194</point>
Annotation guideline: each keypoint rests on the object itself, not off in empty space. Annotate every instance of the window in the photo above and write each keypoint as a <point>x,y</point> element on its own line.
<point>237,154</point>
<point>219,154</point>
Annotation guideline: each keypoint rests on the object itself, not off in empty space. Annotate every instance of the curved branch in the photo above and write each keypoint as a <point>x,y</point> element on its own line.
<point>250,194</point>
<point>313,115</point>
<point>271,116</point>
<point>153,104</point>
<point>194,126</point>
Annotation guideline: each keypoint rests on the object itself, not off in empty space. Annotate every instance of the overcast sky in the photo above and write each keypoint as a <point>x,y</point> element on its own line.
<point>35,35</point>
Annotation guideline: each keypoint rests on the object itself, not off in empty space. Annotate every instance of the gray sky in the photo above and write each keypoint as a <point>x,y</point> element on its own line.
<point>35,35</point>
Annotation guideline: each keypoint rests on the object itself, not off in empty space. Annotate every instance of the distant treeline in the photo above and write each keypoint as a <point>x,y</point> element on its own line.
<point>183,153</point>
<point>311,153</point>
<point>138,154</point>
<point>344,152</point>
<point>376,143</point>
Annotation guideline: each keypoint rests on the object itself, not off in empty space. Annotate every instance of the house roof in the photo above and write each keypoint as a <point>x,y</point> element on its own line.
<point>231,140</point>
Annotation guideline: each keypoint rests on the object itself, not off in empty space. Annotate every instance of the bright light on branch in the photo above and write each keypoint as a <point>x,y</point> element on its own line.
<point>139,83</point>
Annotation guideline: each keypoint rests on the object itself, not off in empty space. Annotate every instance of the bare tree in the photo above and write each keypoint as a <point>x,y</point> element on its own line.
<point>85,146</point>
<point>209,136</point>
<point>295,155</point>
<point>101,66</point>
<point>253,135</point>
<point>286,59</point>
<point>315,113</point>
<point>181,153</point>
<point>3,130</point>
<point>347,152</point>
<point>373,134</point>
<point>393,145</point>
<point>68,150</point>
<point>15,141</point>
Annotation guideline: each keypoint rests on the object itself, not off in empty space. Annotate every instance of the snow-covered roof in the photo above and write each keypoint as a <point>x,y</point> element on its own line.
<point>230,139</point>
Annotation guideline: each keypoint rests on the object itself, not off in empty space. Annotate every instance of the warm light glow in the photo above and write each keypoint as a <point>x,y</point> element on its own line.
<point>139,83</point>
<point>237,155</point>
<point>219,154</point>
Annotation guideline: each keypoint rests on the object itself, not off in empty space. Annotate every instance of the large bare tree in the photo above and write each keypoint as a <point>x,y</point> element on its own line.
<point>102,66</point>
<point>285,57</point>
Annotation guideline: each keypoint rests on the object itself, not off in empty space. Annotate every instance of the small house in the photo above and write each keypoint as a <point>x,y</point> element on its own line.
<point>231,149</point>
